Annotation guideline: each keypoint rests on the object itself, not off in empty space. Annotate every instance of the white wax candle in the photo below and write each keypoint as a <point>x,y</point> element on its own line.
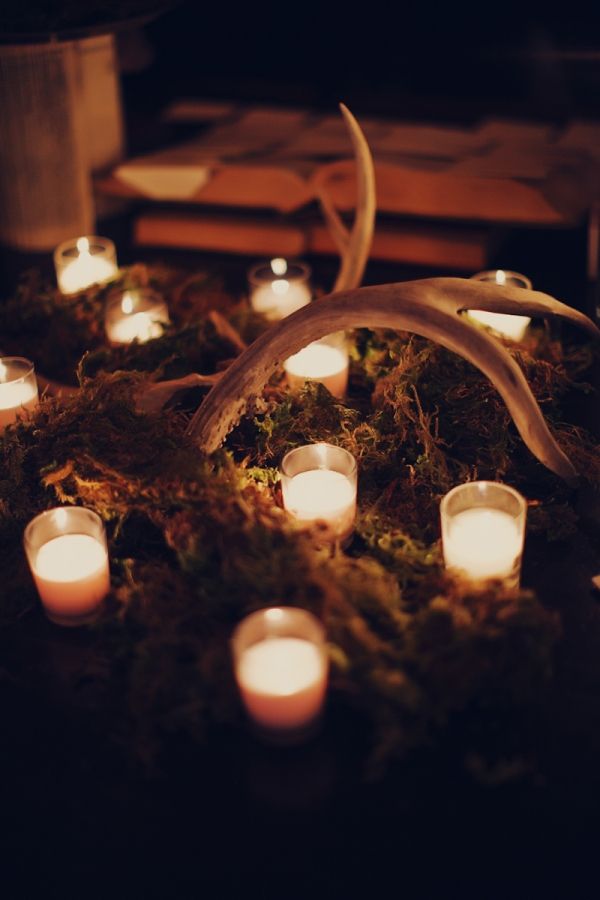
<point>282,681</point>
<point>483,542</point>
<point>279,298</point>
<point>509,326</point>
<point>319,362</point>
<point>504,324</point>
<point>85,269</point>
<point>322,494</point>
<point>141,326</point>
<point>15,397</point>
<point>72,577</point>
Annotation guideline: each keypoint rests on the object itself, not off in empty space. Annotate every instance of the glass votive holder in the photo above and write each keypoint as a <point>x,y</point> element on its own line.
<point>68,557</point>
<point>483,531</point>
<point>281,668</point>
<point>84,261</point>
<point>319,484</point>
<point>326,361</point>
<point>137,314</point>
<point>504,324</point>
<point>18,389</point>
<point>278,288</point>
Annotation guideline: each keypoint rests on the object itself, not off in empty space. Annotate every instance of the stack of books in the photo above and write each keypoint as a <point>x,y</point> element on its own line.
<point>247,183</point>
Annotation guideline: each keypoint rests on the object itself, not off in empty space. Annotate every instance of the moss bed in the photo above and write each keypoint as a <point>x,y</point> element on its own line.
<point>197,542</point>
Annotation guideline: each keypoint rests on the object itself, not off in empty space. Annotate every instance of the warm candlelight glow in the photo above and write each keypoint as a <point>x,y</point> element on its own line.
<point>277,297</point>
<point>279,265</point>
<point>281,669</point>
<point>483,528</point>
<point>18,389</point>
<point>83,262</point>
<point>68,558</point>
<point>504,324</point>
<point>136,315</point>
<point>320,361</point>
<point>318,484</point>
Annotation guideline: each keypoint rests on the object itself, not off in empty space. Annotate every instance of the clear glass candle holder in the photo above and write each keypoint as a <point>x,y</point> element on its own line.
<point>18,389</point>
<point>67,553</point>
<point>137,314</point>
<point>279,288</point>
<point>504,324</point>
<point>84,261</point>
<point>281,668</point>
<point>483,531</point>
<point>326,361</point>
<point>319,485</point>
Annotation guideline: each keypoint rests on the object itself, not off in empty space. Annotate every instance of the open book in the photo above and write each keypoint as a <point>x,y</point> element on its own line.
<point>262,160</point>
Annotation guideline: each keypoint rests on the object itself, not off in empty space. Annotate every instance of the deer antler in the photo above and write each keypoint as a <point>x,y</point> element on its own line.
<point>354,246</point>
<point>430,307</point>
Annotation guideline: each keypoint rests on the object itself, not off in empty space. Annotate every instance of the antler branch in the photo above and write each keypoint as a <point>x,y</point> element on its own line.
<point>431,308</point>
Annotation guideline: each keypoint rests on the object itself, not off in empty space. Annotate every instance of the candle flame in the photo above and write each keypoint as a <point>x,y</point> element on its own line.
<point>280,286</point>
<point>127,304</point>
<point>61,518</point>
<point>274,615</point>
<point>500,276</point>
<point>83,245</point>
<point>3,371</point>
<point>279,265</point>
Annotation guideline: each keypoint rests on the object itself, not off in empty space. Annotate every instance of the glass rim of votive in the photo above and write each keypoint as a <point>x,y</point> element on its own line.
<point>68,250</point>
<point>491,275</point>
<point>350,471</point>
<point>483,485</point>
<point>277,621</point>
<point>77,512</point>
<point>262,273</point>
<point>6,361</point>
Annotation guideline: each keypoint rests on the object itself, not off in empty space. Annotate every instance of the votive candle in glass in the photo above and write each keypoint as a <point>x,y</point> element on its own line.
<point>68,557</point>
<point>84,261</point>
<point>319,484</point>
<point>278,288</point>
<point>483,531</point>
<point>18,389</point>
<point>135,315</point>
<point>281,668</point>
<point>505,324</point>
<point>326,361</point>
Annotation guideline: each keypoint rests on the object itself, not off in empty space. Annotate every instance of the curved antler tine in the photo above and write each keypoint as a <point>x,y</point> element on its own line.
<point>355,259</point>
<point>507,299</point>
<point>337,229</point>
<point>429,308</point>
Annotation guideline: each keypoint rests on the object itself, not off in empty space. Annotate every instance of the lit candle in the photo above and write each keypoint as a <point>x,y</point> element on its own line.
<point>281,669</point>
<point>135,315</point>
<point>83,262</point>
<point>18,389</point>
<point>483,529</point>
<point>320,361</point>
<point>318,484</point>
<point>67,554</point>
<point>504,324</point>
<point>279,288</point>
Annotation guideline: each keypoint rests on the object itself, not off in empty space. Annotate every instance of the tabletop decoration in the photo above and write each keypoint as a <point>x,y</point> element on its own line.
<point>18,388</point>
<point>326,361</point>
<point>68,558</point>
<point>483,530</point>
<point>278,288</point>
<point>135,315</point>
<point>318,485</point>
<point>281,666</point>
<point>84,261</point>
<point>507,326</point>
